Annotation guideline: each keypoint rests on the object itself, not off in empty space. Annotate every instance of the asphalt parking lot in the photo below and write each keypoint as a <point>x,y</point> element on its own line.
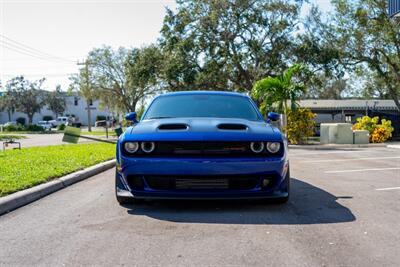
<point>344,211</point>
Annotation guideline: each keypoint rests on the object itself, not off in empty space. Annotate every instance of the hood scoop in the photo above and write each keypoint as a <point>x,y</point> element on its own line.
<point>232,126</point>
<point>173,126</point>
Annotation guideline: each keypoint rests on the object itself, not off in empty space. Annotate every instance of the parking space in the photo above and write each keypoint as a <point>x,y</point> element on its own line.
<point>344,211</point>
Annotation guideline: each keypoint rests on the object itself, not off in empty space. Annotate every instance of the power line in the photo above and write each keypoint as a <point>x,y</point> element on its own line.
<point>25,53</point>
<point>30,50</point>
<point>11,46</point>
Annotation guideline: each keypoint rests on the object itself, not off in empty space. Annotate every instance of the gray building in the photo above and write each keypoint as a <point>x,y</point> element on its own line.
<point>348,110</point>
<point>76,106</point>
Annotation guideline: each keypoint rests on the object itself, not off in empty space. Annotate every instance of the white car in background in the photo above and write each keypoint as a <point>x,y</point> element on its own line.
<point>45,124</point>
<point>59,121</point>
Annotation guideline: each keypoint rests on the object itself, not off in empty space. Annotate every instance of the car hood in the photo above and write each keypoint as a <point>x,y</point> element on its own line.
<point>201,129</point>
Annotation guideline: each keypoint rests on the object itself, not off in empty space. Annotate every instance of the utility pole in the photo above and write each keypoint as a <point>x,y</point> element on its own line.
<point>88,90</point>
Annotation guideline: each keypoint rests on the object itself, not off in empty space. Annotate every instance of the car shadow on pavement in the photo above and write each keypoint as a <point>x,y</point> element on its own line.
<point>308,204</point>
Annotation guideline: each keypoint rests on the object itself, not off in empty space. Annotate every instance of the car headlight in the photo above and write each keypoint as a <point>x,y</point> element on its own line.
<point>147,147</point>
<point>273,147</point>
<point>257,147</point>
<point>131,147</point>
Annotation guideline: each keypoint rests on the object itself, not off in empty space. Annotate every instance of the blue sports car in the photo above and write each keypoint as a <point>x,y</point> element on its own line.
<point>202,145</point>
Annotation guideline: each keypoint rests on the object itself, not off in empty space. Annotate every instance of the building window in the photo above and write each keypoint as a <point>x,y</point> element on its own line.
<point>76,101</point>
<point>348,118</point>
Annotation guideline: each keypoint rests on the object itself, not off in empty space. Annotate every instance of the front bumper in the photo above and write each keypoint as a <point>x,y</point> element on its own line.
<point>202,167</point>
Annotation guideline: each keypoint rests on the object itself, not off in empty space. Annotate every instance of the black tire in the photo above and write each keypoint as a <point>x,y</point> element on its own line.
<point>126,200</point>
<point>283,200</point>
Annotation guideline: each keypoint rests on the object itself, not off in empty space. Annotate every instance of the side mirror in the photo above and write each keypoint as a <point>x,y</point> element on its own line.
<point>272,116</point>
<point>131,116</point>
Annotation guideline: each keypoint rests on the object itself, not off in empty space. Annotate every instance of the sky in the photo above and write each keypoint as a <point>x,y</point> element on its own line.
<point>46,38</point>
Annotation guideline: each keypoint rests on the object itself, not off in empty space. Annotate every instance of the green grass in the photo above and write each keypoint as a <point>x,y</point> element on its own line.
<point>29,132</point>
<point>99,133</point>
<point>4,137</point>
<point>21,169</point>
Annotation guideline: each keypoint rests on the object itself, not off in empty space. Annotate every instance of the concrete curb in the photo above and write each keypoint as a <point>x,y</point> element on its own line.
<point>21,198</point>
<point>335,146</point>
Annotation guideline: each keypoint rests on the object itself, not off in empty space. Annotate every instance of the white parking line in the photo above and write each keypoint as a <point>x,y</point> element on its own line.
<point>355,159</point>
<point>363,170</point>
<point>294,154</point>
<point>388,188</point>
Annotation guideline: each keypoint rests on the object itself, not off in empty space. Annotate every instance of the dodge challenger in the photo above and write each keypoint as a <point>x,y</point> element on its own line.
<point>202,145</point>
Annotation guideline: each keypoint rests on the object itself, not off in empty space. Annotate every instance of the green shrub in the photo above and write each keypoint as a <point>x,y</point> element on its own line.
<point>378,133</point>
<point>34,128</point>
<point>14,128</point>
<point>47,118</point>
<point>300,125</point>
<point>61,127</point>
<point>21,120</point>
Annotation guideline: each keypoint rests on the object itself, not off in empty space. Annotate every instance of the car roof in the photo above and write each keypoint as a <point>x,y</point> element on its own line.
<point>227,93</point>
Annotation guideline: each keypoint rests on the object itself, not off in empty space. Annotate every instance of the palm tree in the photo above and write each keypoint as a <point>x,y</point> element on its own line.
<point>280,90</point>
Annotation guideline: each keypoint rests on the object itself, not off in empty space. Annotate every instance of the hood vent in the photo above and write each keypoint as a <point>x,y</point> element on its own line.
<point>232,126</point>
<point>173,126</point>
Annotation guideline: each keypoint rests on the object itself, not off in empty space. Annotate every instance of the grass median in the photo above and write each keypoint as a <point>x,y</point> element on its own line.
<point>21,169</point>
<point>4,137</point>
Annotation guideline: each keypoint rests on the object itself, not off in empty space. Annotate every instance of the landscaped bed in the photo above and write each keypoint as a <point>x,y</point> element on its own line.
<point>21,169</point>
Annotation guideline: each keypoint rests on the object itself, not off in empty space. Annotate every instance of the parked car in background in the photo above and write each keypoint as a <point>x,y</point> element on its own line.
<point>202,145</point>
<point>53,123</point>
<point>46,125</point>
<point>60,120</point>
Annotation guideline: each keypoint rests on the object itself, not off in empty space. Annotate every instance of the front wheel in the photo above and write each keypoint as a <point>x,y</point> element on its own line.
<point>125,200</point>
<point>283,200</point>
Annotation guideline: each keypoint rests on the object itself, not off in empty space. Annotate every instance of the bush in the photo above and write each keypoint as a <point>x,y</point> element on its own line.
<point>61,127</point>
<point>300,125</point>
<point>378,133</point>
<point>14,128</point>
<point>21,120</point>
<point>34,128</point>
<point>100,118</point>
<point>47,118</point>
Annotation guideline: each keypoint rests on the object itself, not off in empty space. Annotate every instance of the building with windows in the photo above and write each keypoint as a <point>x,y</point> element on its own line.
<point>76,106</point>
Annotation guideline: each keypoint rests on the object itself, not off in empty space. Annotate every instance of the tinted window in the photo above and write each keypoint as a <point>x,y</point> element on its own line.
<point>215,106</point>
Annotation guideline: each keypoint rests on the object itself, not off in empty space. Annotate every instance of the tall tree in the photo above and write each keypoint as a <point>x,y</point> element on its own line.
<point>7,103</point>
<point>227,45</point>
<point>56,101</point>
<point>122,77</point>
<point>325,86</point>
<point>361,34</point>
<point>28,95</point>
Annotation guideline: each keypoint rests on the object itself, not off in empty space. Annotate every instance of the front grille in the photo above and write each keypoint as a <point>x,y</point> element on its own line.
<point>185,183</point>
<point>204,149</point>
<point>163,182</point>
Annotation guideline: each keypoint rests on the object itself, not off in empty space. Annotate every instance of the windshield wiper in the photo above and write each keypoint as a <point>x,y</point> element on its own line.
<point>160,117</point>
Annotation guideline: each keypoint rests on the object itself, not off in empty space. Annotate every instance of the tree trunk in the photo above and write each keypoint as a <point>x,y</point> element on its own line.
<point>30,118</point>
<point>9,115</point>
<point>89,114</point>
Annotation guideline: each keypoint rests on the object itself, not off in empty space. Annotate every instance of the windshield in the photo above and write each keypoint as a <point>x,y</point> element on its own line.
<point>214,106</point>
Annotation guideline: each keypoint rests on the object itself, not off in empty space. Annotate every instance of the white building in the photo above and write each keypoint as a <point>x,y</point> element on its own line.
<point>75,106</point>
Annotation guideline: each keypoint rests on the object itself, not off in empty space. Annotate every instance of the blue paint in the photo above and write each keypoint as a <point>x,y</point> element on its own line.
<point>203,129</point>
